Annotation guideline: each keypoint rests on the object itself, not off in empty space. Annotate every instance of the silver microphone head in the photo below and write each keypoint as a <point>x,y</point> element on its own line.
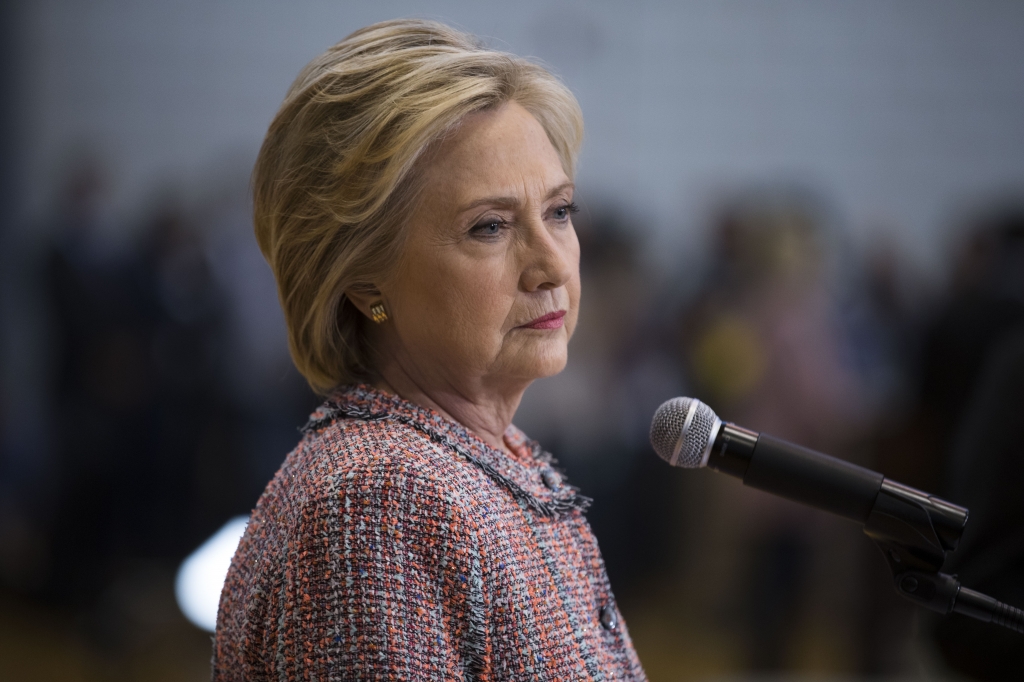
<point>683,431</point>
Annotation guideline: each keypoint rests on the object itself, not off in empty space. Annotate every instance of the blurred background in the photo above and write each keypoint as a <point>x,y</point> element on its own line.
<point>808,214</point>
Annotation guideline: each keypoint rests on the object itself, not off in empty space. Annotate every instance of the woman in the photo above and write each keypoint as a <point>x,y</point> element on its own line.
<point>414,197</point>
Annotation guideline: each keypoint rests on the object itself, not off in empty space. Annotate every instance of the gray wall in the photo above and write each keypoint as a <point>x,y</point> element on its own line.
<point>895,111</point>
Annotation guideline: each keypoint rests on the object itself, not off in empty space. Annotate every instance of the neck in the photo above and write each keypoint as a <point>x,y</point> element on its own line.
<point>486,412</point>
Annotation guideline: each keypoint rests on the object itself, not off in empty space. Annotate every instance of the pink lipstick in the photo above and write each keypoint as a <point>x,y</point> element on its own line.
<point>549,321</point>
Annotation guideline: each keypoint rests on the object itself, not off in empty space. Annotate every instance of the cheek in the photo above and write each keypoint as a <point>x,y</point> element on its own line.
<point>574,290</point>
<point>573,287</point>
<point>478,308</point>
<point>456,305</point>
<point>489,297</point>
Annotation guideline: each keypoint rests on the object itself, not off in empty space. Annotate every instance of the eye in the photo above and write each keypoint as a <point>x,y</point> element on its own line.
<point>563,212</point>
<point>487,228</point>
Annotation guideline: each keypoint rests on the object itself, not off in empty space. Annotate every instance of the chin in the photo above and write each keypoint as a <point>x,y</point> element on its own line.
<point>536,358</point>
<point>549,363</point>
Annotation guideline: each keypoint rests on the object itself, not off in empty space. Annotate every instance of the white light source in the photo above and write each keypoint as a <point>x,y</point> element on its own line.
<point>201,576</point>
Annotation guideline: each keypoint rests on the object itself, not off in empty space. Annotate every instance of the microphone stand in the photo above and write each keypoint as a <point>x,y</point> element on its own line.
<point>913,531</point>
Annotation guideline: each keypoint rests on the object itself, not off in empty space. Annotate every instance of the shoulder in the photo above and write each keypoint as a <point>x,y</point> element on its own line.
<point>365,491</point>
<point>368,449</point>
<point>379,464</point>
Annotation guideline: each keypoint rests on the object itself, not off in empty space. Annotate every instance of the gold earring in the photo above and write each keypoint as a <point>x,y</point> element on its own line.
<point>378,313</point>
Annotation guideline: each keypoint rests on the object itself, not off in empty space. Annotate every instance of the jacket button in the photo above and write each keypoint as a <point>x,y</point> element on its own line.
<point>609,620</point>
<point>551,479</point>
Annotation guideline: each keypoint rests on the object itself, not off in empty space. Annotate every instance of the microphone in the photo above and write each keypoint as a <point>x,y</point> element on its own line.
<point>913,529</point>
<point>687,433</point>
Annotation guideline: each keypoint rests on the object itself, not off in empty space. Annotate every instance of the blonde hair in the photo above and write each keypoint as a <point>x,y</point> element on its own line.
<point>336,176</point>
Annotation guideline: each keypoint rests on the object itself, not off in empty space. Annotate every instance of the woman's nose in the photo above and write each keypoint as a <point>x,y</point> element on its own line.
<point>550,257</point>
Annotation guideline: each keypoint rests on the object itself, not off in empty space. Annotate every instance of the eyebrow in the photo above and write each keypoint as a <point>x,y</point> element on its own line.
<point>513,201</point>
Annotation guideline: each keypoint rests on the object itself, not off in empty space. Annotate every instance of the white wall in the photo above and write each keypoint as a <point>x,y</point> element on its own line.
<point>895,110</point>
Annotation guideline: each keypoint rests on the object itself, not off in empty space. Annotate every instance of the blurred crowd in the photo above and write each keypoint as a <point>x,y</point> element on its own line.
<point>167,400</point>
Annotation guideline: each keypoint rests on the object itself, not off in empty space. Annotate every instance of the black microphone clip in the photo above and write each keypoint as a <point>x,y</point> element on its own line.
<point>915,530</point>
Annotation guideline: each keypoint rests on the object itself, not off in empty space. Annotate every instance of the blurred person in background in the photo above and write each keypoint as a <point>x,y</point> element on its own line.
<point>105,311</point>
<point>136,328</point>
<point>765,345</point>
<point>986,472</point>
<point>159,433</point>
<point>414,197</point>
<point>962,436</point>
<point>983,302</point>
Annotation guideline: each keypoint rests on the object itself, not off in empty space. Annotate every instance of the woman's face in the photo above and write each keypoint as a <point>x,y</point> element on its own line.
<point>487,289</point>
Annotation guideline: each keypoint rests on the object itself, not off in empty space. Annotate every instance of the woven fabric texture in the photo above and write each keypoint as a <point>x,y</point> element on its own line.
<point>394,544</point>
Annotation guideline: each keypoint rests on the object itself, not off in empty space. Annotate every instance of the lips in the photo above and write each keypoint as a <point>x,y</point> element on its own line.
<point>549,321</point>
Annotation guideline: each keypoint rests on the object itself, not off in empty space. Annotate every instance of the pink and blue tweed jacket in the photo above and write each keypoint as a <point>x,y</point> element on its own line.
<point>393,544</point>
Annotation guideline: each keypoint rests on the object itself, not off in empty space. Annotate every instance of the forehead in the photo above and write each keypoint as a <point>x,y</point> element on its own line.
<point>497,151</point>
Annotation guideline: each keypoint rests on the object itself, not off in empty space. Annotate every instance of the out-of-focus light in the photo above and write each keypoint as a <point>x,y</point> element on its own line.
<point>201,576</point>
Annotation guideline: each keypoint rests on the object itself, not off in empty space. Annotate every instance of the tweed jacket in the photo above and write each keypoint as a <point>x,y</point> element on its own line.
<point>394,544</point>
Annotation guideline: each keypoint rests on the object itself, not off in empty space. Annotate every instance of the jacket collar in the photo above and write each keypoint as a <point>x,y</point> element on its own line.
<point>535,483</point>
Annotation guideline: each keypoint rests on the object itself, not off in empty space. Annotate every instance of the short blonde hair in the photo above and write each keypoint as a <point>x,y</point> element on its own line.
<point>336,176</point>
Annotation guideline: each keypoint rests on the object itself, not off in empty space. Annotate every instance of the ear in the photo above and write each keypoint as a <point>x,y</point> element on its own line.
<point>363,297</point>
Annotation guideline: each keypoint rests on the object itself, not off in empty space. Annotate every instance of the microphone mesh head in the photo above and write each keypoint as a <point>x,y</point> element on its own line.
<point>682,431</point>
